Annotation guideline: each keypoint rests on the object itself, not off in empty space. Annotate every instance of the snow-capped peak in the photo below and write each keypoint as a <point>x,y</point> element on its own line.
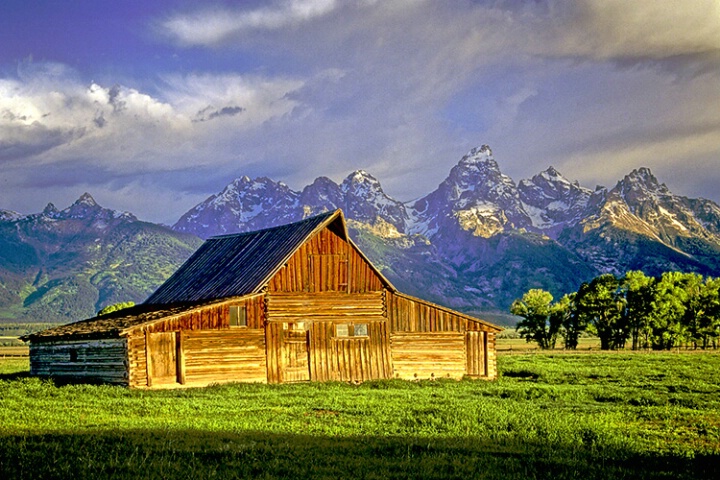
<point>9,216</point>
<point>361,183</point>
<point>86,199</point>
<point>552,201</point>
<point>477,154</point>
<point>643,178</point>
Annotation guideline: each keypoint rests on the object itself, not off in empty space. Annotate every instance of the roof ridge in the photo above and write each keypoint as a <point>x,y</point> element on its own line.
<point>317,217</point>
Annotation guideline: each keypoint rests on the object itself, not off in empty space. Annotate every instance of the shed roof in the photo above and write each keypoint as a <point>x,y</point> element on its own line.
<point>118,323</point>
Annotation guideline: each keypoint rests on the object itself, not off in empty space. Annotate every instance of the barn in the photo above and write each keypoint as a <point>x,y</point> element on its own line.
<point>298,302</point>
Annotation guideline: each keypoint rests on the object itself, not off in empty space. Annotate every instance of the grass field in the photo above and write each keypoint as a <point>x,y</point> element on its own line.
<point>560,416</point>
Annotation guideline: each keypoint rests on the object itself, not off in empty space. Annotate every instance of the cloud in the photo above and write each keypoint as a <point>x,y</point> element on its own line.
<point>47,121</point>
<point>212,27</point>
<point>648,29</point>
<point>401,88</point>
<point>211,113</point>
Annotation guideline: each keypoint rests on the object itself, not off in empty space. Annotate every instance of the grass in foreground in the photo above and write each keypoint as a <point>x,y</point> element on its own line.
<point>548,416</point>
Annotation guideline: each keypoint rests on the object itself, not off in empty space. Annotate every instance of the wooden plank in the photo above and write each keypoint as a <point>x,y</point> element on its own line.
<point>428,355</point>
<point>148,360</point>
<point>180,356</point>
<point>162,357</point>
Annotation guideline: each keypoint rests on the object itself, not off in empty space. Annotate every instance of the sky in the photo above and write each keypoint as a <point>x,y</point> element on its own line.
<point>152,106</point>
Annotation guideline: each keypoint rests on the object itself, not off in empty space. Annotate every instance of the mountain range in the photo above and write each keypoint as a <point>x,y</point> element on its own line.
<point>475,243</point>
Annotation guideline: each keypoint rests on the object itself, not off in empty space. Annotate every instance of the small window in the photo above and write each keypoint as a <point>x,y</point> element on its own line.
<point>74,355</point>
<point>351,330</point>
<point>238,316</point>
<point>361,330</point>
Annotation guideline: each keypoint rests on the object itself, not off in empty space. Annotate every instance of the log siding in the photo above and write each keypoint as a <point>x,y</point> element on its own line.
<point>104,360</point>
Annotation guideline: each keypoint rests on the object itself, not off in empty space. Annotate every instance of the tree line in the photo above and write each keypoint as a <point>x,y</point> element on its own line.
<point>661,313</point>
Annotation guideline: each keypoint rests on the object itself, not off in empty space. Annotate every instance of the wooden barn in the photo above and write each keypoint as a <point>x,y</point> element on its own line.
<point>292,303</point>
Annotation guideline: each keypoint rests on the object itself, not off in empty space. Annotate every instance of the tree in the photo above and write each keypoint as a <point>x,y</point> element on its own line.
<point>540,322</point>
<point>709,316</point>
<point>602,304</point>
<point>571,322</point>
<point>669,308</point>
<point>638,292</point>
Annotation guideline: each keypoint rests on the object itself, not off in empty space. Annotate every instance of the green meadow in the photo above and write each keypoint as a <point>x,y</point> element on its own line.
<point>560,416</point>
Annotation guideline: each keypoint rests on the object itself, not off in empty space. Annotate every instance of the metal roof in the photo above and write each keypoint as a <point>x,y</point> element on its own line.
<point>239,264</point>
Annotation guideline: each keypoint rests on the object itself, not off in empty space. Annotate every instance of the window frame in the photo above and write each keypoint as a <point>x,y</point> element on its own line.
<point>349,330</point>
<point>237,316</point>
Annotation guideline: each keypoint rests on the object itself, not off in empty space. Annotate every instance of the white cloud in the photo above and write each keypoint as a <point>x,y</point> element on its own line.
<point>45,122</point>
<point>211,27</point>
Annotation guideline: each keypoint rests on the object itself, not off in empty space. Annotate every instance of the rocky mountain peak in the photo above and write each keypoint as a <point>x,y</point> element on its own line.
<point>479,160</point>
<point>640,189</point>
<point>87,208</point>
<point>477,155</point>
<point>476,197</point>
<point>9,216</point>
<point>551,183</point>
<point>50,210</point>
<point>552,201</point>
<point>642,179</point>
<point>365,200</point>
<point>86,199</point>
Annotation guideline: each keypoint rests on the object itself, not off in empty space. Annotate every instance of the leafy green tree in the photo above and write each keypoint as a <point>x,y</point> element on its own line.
<point>693,285</point>
<point>540,322</point>
<point>602,304</point>
<point>669,309</point>
<point>638,292</point>
<point>709,316</point>
<point>572,324</point>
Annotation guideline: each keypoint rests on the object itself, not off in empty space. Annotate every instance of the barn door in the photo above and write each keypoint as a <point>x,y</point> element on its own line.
<point>475,353</point>
<point>161,354</point>
<point>295,352</point>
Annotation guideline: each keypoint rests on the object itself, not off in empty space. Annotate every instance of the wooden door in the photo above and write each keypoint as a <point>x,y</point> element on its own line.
<point>475,353</point>
<point>295,366</point>
<point>161,353</point>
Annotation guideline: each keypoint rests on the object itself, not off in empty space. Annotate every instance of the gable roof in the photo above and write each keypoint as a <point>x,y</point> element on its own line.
<point>241,264</point>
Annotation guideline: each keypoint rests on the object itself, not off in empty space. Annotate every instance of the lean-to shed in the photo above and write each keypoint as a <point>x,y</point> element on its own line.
<point>292,303</point>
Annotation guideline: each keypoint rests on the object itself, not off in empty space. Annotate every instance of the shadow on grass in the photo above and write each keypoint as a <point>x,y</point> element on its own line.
<point>200,454</point>
<point>14,376</point>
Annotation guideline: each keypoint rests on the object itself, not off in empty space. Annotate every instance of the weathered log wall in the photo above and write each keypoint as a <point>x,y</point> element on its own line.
<point>81,360</point>
<point>236,355</point>
<point>408,315</point>
<point>428,355</point>
<point>199,347</point>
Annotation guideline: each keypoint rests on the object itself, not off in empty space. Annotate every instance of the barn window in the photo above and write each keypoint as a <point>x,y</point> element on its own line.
<point>73,355</point>
<point>342,330</point>
<point>238,316</point>
<point>360,330</point>
<point>351,330</point>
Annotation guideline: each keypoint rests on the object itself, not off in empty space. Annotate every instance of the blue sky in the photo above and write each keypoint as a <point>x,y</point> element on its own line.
<point>151,106</point>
